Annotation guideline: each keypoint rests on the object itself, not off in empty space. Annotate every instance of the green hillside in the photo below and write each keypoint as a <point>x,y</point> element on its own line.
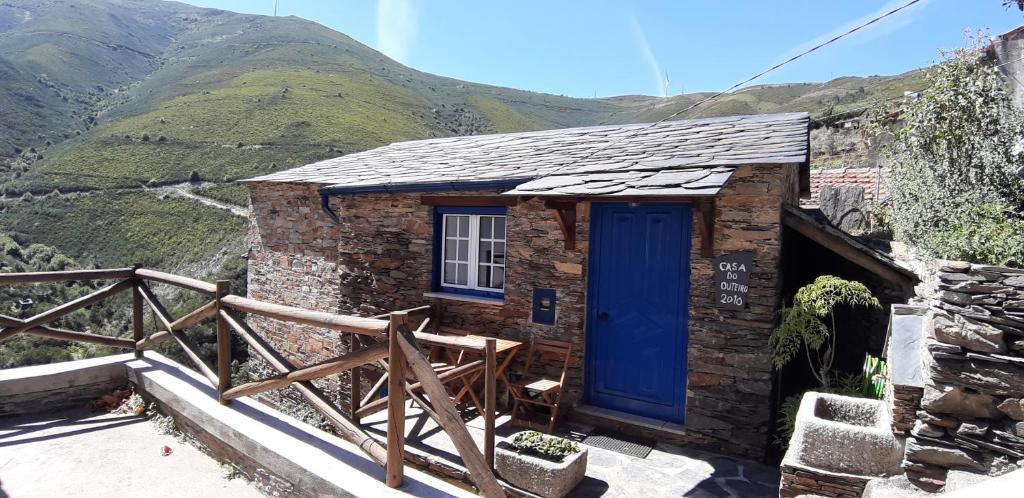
<point>104,97</point>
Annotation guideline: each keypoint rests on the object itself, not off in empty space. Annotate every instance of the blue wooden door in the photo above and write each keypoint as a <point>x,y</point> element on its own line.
<point>638,284</point>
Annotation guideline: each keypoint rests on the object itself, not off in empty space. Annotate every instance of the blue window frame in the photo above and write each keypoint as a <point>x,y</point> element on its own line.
<point>469,250</point>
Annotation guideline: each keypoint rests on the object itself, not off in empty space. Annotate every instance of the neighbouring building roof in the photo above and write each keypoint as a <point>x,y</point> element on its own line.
<point>867,178</point>
<point>690,157</point>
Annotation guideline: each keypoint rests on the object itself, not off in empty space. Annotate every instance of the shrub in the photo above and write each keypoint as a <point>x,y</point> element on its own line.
<point>145,137</point>
<point>953,163</point>
<point>548,448</point>
<point>985,231</point>
<point>194,177</point>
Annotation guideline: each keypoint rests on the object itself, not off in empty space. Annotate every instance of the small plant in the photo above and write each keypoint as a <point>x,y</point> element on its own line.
<point>548,448</point>
<point>802,326</point>
<point>229,471</point>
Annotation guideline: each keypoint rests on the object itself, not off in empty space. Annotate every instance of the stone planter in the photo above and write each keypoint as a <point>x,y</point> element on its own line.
<point>844,434</point>
<point>537,475</point>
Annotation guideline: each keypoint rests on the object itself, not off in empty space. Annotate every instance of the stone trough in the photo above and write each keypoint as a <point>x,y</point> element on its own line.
<point>838,444</point>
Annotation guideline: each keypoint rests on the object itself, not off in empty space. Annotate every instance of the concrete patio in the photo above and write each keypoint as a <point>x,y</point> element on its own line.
<point>668,470</point>
<point>81,453</point>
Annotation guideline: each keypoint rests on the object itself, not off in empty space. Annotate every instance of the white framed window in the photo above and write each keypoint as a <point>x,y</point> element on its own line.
<point>473,252</point>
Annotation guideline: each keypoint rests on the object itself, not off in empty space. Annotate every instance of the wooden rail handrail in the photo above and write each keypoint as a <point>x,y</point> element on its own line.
<point>449,341</point>
<point>55,313</point>
<point>65,276</point>
<point>341,323</point>
<point>312,372</point>
<point>348,429</point>
<point>401,350</point>
<point>199,314</point>
<point>177,280</point>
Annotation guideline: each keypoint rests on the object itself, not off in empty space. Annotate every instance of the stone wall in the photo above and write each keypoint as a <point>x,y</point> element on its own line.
<point>804,481</point>
<point>379,259</point>
<point>972,413</point>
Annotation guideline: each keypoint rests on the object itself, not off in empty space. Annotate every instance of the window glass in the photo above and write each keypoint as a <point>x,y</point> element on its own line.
<point>473,249</point>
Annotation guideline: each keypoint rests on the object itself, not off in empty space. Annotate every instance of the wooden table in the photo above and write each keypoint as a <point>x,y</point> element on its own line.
<point>507,347</point>
<point>474,344</point>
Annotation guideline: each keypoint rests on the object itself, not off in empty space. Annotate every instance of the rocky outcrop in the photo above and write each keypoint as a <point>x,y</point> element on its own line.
<point>971,410</point>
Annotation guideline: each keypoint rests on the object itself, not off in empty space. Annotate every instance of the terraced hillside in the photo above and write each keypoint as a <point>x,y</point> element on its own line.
<point>100,96</point>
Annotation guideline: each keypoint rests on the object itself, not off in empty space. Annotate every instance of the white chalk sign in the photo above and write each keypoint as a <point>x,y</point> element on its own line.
<point>732,280</point>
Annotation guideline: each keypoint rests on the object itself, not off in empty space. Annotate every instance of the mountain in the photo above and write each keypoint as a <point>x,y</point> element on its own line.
<point>100,96</point>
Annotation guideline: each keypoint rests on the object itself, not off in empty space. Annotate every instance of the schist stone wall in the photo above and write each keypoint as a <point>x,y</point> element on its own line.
<point>379,259</point>
<point>971,414</point>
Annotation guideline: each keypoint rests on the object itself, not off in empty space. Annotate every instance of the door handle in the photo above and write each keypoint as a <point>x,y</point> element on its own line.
<point>603,316</point>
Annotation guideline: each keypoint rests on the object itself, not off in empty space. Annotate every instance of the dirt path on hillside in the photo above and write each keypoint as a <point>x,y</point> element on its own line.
<point>183,189</point>
<point>186,190</point>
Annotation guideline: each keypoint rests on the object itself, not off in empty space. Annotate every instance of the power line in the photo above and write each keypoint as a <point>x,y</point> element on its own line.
<point>756,76</point>
<point>795,57</point>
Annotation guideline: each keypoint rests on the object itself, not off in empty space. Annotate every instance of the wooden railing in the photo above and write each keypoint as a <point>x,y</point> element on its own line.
<point>388,342</point>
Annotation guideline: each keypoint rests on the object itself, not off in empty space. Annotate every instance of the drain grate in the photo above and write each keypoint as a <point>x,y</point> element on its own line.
<point>619,443</point>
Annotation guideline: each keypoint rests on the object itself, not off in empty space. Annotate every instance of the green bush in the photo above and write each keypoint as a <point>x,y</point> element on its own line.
<point>988,232</point>
<point>548,448</point>
<point>952,163</point>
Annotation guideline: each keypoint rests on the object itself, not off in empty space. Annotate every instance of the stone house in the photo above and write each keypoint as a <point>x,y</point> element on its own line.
<point>618,239</point>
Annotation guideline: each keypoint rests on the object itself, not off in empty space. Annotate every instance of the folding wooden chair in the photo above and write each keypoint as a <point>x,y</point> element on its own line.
<point>532,391</point>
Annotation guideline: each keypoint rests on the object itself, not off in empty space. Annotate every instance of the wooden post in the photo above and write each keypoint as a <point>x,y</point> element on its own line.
<point>490,398</point>
<point>356,376</point>
<point>223,345</point>
<point>138,330</point>
<point>396,402</point>
<point>449,417</point>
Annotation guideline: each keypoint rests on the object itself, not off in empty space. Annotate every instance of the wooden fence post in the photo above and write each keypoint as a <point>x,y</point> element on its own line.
<point>356,376</point>
<point>138,326</point>
<point>490,397</point>
<point>223,345</point>
<point>396,402</point>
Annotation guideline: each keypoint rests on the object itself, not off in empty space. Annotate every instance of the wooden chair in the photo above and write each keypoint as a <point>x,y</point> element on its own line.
<point>532,391</point>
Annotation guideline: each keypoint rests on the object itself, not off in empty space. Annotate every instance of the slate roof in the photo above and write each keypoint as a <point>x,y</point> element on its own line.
<point>690,157</point>
<point>866,178</point>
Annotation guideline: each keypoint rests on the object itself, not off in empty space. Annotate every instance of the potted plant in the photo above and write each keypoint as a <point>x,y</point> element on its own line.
<point>547,466</point>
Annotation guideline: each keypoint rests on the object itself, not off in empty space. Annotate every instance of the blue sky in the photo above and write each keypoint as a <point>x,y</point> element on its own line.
<point>602,48</point>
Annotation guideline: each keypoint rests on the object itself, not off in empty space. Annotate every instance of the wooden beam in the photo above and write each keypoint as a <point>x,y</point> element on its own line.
<point>187,345</point>
<point>70,335</point>
<point>706,208</point>
<point>459,371</point>
<point>199,314</point>
<point>849,248</point>
<point>490,398</point>
<point>448,417</point>
<point>413,312</point>
<point>342,323</point>
<point>68,307</point>
<point>565,215</point>
<point>347,429</point>
<point>138,331</point>
<point>223,345</point>
<point>356,380</point>
<point>312,372</point>
<point>177,281</point>
<point>396,402</point>
<point>64,276</point>
<point>469,200</point>
<point>449,341</point>
<point>67,335</point>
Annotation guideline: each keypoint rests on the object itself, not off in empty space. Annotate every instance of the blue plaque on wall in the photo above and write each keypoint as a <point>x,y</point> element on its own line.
<point>544,306</point>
